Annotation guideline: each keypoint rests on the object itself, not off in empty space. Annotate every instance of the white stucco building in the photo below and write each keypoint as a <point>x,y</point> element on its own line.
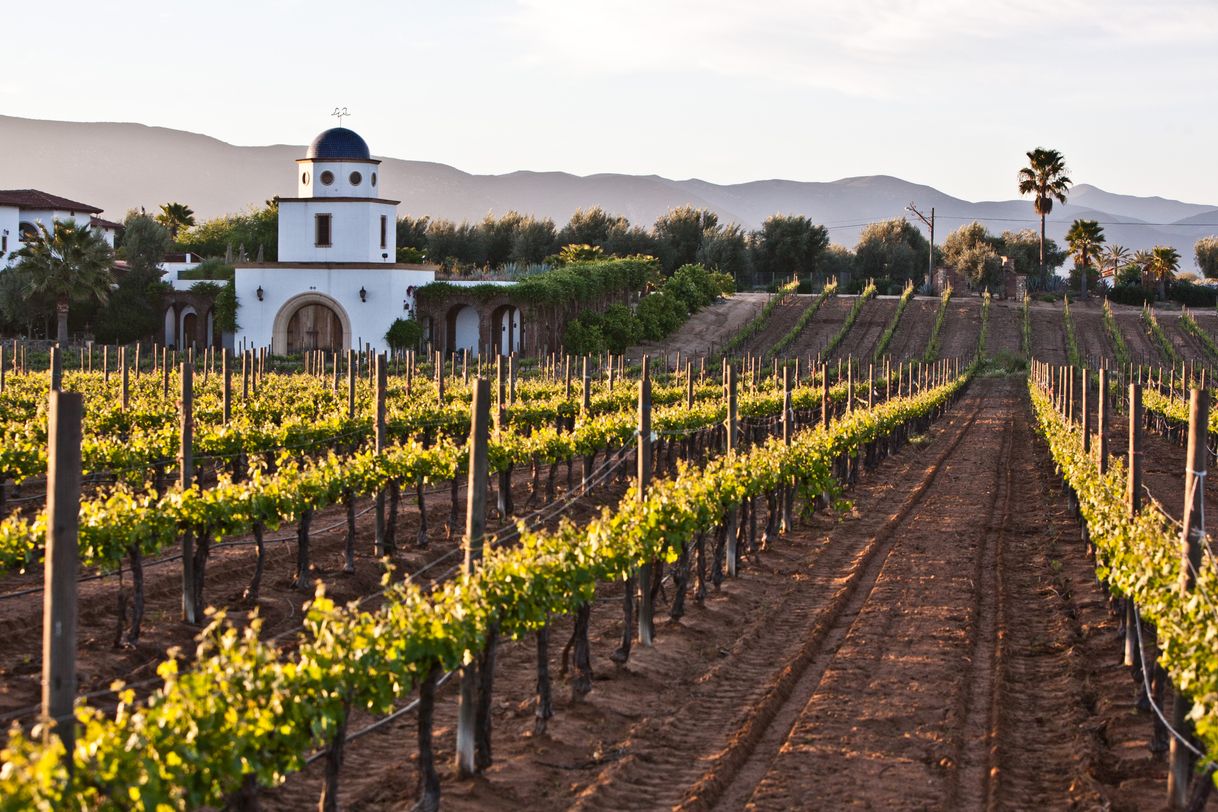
<point>336,284</point>
<point>21,210</point>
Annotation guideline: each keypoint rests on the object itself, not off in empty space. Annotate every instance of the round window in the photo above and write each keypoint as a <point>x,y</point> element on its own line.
<point>327,178</point>
<point>374,179</point>
<point>304,178</point>
<point>355,178</point>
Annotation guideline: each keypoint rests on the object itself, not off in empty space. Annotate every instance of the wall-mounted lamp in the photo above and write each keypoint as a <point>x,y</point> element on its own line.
<point>260,292</point>
<point>410,291</point>
<point>406,305</point>
<point>363,294</point>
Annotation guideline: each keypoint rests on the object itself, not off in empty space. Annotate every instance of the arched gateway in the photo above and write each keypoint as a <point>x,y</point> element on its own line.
<point>310,321</point>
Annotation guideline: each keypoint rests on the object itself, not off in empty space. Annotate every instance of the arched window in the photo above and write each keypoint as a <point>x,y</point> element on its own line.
<point>28,231</point>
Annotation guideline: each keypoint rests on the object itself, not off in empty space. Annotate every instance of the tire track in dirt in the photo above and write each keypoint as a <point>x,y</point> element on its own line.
<point>686,759</point>
<point>959,683</point>
<point>1142,348</point>
<point>1093,341</point>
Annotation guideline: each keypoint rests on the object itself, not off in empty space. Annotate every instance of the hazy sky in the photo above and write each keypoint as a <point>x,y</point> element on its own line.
<point>945,92</point>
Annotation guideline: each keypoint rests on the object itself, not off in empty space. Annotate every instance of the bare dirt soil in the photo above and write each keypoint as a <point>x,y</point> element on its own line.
<point>961,328</point>
<point>1142,347</point>
<point>824,325</point>
<point>780,322</point>
<point>1005,334</point>
<point>942,645</point>
<point>709,328</point>
<point>871,323</point>
<point>1048,333</point>
<point>1093,342</point>
<point>913,331</point>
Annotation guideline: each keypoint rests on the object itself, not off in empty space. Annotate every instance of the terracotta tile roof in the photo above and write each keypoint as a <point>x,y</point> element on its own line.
<point>97,222</point>
<point>34,199</point>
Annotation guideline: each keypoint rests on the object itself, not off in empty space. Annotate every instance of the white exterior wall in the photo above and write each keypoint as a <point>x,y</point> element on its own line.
<point>10,217</point>
<point>355,231</point>
<point>387,298</point>
<point>368,186</point>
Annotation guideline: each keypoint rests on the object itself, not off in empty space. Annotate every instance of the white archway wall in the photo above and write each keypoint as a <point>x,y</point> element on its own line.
<point>279,331</point>
<point>171,328</point>
<point>465,332</point>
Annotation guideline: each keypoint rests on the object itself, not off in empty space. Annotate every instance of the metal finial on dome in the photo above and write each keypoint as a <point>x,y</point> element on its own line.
<point>341,113</point>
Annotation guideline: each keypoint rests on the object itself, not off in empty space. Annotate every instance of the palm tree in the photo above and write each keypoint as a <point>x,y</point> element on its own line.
<point>1045,177</point>
<point>1116,257</point>
<point>1085,238</point>
<point>69,263</point>
<point>175,217</point>
<point>1164,262</point>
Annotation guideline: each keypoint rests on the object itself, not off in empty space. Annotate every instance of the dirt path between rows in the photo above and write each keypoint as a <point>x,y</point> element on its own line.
<point>863,337</point>
<point>1005,335</point>
<point>913,330</point>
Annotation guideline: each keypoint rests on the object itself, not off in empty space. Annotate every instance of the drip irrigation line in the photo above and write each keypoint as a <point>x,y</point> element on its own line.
<point>1137,617</point>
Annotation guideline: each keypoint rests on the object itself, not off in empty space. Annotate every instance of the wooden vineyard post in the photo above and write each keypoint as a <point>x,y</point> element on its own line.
<point>732,514</point>
<point>383,548</point>
<point>351,373</point>
<point>1192,537</point>
<point>1103,419</point>
<point>689,385</point>
<point>165,372</point>
<point>824,395</point>
<point>1133,503</point>
<point>504,496</point>
<point>870,386</point>
<point>62,566</point>
<point>125,374</point>
<point>226,383</point>
<point>439,364</point>
<point>788,430</point>
<point>475,526</point>
<point>56,370</point>
<point>1085,415</point>
<point>191,612</point>
<point>646,610</point>
<point>849,385</point>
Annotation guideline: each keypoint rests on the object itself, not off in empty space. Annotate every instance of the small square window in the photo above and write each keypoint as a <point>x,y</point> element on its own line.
<point>321,224</point>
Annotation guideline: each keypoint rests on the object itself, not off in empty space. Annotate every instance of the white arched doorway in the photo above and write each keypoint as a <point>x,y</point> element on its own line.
<point>171,328</point>
<point>310,321</point>
<point>465,330</point>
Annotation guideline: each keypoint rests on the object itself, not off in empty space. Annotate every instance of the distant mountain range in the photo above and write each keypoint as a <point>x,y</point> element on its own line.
<point>122,166</point>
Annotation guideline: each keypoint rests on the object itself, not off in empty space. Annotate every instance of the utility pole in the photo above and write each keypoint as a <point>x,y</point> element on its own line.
<point>930,277</point>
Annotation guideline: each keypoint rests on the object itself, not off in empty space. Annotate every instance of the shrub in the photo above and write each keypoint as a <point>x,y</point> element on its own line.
<point>404,334</point>
<point>1131,295</point>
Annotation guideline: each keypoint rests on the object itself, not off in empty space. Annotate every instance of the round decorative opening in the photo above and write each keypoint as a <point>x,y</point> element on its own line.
<point>304,178</point>
<point>327,178</point>
<point>374,179</point>
<point>355,178</point>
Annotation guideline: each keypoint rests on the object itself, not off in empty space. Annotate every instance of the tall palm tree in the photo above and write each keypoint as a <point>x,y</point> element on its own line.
<point>69,263</point>
<point>1116,257</point>
<point>1084,238</point>
<point>1164,262</point>
<point>175,217</point>
<point>1044,177</point>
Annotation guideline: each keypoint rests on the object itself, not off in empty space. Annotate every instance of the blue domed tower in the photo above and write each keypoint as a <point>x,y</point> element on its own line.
<point>336,284</point>
<point>338,214</point>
